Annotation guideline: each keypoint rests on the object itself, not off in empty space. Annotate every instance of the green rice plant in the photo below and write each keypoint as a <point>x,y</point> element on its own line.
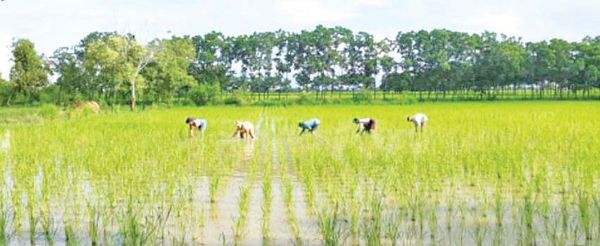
<point>134,230</point>
<point>71,237</point>
<point>331,227</point>
<point>499,209</point>
<point>93,218</point>
<point>47,223</point>
<point>392,226</point>
<point>16,202</point>
<point>309,193</point>
<point>528,214</point>
<point>564,210</point>
<point>585,214</point>
<point>5,220</point>
<point>290,212</point>
<point>213,188</point>
<point>240,223</point>
<point>541,171</point>
<point>462,212</point>
<point>373,223</point>
<point>480,228</point>
<point>32,217</point>
<point>596,206</point>
<point>432,219</point>
<point>355,210</point>
<point>266,206</point>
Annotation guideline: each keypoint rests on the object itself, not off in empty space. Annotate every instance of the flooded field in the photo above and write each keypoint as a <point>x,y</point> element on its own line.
<point>479,174</point>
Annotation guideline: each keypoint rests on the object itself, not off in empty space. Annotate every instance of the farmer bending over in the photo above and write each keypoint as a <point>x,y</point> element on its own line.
<point>365,125</point>
<point>243,128</point>
<point>199,124</point>
<point>419,120</point>
<point>309,125</point>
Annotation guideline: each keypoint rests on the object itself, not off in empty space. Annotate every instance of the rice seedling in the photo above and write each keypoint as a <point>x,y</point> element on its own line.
<point>478,174</point>
<point>331,226</point>
<point>5,220</point>
<point>243,215</point>
<point>267,204</point>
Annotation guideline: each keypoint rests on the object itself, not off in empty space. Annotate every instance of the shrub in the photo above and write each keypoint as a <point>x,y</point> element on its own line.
<point>49,94</point>
<point>234,100</point>
<point>362,96</point>
<point>203,94</point>
<point>303,99</point>
<point>5,92</point>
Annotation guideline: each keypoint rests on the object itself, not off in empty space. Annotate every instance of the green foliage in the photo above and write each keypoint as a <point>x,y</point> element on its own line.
<point>168,72</point>
<point>29,74</point>
<point>5,91</point>
<point>363,96</point>
<point>436,63</point>
<point>49,94</point>
<point>204,94</point>
<point>233,100</point>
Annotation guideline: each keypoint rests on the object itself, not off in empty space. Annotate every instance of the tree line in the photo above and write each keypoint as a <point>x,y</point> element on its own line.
<point>115,68</point>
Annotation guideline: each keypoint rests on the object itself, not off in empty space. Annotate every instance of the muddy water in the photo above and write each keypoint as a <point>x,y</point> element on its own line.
<point>213,223</point>
<point>5,144</point>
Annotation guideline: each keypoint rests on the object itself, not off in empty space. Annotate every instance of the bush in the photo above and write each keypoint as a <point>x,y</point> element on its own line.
<point>203,94</point>
<point>49,94</point>
<point>186,102</point>
<point>49,111</point>
<point>5,92</point>
<point>304,99</point>
<point>363,96</point>
<point>234,100</point>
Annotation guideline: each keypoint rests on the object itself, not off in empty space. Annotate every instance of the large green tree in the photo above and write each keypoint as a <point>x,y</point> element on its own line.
<point>168,72</point>
<point>29,73</point>
<point>116,62</point>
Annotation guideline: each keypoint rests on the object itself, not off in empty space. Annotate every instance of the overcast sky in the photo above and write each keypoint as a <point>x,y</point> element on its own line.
<point>52,24</point>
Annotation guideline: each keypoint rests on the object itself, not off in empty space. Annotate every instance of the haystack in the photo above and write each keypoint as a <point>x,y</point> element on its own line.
<point>91,105</point>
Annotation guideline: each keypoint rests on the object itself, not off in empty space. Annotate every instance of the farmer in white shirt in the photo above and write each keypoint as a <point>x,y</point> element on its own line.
<point>194,124</point>
<point>243,128</point>
<point>364,125</point>
<point>419,120</point>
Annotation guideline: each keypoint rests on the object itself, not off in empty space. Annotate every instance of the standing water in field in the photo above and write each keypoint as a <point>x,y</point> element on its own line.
<point>5,146</point>
<point>481,181</point>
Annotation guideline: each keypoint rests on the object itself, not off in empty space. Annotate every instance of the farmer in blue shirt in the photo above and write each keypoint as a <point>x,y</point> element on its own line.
<point>309,125</point>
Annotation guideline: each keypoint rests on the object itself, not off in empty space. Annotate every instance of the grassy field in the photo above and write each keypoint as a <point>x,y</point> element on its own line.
<point>481,173</point>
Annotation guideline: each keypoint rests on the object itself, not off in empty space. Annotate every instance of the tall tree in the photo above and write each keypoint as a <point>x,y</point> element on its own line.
<point>213,61</point>
<point>116,62</point>
<point>29,74</point>
<point>71,74</point>
<point>168,72</point>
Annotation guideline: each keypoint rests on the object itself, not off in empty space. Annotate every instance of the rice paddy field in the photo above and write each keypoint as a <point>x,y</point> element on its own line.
<point>509,173</point>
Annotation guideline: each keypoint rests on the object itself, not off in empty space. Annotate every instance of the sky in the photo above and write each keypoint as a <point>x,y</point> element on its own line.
<point>51,24</point>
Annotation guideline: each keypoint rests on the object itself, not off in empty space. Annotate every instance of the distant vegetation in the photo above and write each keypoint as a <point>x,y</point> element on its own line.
<point>113,68</point>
